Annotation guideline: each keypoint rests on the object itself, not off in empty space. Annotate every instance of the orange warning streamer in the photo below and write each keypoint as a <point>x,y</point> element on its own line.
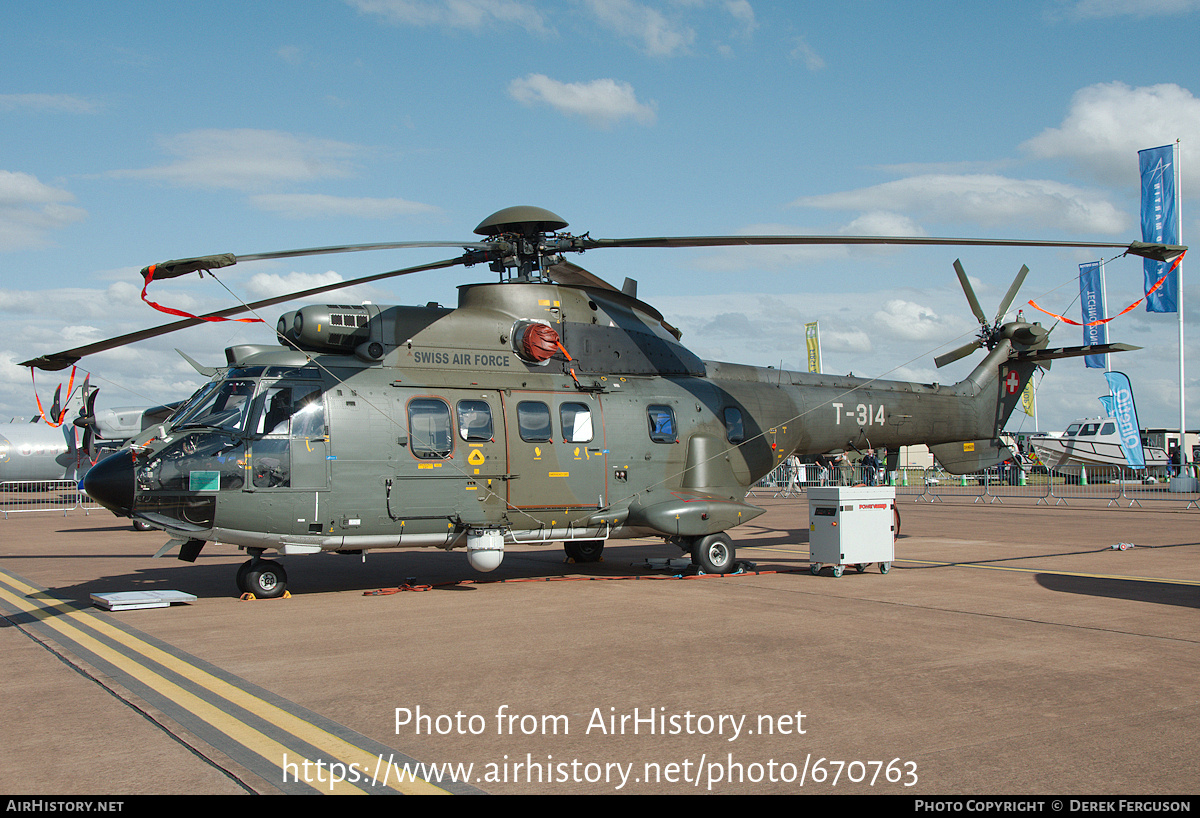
<point>181,313</point>
<point>61,415</point>
<point>1157,284</point>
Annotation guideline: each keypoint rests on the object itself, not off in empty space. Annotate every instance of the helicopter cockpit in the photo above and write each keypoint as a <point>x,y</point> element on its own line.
<point>236,432</point>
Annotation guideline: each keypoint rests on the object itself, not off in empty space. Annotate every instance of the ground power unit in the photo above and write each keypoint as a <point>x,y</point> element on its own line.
<point>851,526</point>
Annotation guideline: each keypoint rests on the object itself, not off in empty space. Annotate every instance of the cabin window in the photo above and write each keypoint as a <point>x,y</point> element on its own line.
<point>296,409</point>
<point>662,423</point>
<point>1108,429</point>
<point>1072,430</point>
<point>1089,429</point>
<point>474,420</point>
<point>735,430</point>
<point>576,422</point>
<point>429,428</point>
<point>533,421</point>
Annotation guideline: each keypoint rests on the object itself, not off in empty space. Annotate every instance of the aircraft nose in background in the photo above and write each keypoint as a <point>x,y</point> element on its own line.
<point>110,483</point>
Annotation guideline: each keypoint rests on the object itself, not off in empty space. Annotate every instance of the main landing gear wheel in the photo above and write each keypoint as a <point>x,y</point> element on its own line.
<point>584,550</point>
<point>266,579</point>
<point>714,554</point>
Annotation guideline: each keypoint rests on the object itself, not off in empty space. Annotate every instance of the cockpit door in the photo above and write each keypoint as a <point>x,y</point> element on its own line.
<point>290,438</point>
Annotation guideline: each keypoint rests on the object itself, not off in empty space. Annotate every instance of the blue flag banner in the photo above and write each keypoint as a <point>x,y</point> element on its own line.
<point>1091,297</point>
<point>1126,416</point>
<point>1159,223</point>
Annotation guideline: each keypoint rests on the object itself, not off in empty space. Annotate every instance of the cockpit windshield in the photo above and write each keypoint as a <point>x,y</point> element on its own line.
<point>184,409</point>
<point>223,407</point>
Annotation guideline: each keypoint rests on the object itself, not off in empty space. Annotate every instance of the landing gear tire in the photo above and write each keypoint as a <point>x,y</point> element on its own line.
<point>714,554</point>
<point>266,579</point>
<point>142,525</point>
<point>584,550</point>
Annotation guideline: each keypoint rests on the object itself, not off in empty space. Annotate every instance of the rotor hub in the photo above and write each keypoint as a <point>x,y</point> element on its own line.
<point>523,220</point>
<point>523,229</point>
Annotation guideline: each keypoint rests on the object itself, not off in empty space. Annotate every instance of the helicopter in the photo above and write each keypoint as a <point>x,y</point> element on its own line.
<point>547,407</point>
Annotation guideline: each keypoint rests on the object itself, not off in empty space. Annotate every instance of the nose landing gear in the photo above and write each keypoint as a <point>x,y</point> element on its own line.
<point>262,579</point>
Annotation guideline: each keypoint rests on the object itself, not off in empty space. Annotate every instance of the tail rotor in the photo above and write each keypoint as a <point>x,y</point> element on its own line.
<point>990,333</point>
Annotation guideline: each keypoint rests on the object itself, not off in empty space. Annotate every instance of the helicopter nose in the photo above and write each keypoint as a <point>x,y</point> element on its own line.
<point>110,483</point>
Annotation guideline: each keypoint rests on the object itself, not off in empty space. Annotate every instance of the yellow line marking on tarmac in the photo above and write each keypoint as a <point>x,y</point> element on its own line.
<point>234,728</point>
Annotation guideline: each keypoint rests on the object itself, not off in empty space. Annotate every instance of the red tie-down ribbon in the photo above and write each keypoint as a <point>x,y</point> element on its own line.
<point>149,274</point>
<point>1157,284</point>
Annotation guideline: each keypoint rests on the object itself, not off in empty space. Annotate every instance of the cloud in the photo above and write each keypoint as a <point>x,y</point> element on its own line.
<point>57,103</point>
<point>882,223</point>
<point>806,54</point>
<point>602,102</point>
<point>477,15</point>
<point>1131,8</point>
<point>29,209</point>
<point>247,159</point>
<point>269,285</point>
<point>315,205</point>
<point>987,200</point>
<point>290,54</point>
<point>1109,123</point>
<point>910,321</point>
<point>648,28</point>
<point>743,13</point>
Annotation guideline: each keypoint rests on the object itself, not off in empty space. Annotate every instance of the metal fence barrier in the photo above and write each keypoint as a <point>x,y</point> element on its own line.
<point>18,496</point>
<point>1062,485</point>
<point>786,482</point>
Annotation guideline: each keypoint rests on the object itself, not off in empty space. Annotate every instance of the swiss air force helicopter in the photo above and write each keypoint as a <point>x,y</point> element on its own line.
<point>548,407</point>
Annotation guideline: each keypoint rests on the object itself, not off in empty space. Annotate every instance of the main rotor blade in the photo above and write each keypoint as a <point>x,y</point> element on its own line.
<point>1158,252</point>
<point>356,248</point>
<point>954,354</point>
<point>1006,302</point>
<point>970,291</point>
<point>61,360</point>
<point>182,266</point>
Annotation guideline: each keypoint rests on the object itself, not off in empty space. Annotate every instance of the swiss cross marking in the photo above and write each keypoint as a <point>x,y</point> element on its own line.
<point>1012,383</point>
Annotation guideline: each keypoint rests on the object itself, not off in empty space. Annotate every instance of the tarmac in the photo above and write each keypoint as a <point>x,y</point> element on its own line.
<point>1010,650</point>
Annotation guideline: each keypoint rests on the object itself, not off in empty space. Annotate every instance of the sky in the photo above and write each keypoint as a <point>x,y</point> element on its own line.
<point>135,132</point>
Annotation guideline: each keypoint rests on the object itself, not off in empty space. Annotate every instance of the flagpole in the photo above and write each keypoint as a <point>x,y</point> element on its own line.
<point>1183,450</point>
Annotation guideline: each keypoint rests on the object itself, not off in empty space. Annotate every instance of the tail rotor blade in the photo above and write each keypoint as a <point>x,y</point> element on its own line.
<point>971,299</point>
<point>1012,293</point>
<point>954,354</point>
